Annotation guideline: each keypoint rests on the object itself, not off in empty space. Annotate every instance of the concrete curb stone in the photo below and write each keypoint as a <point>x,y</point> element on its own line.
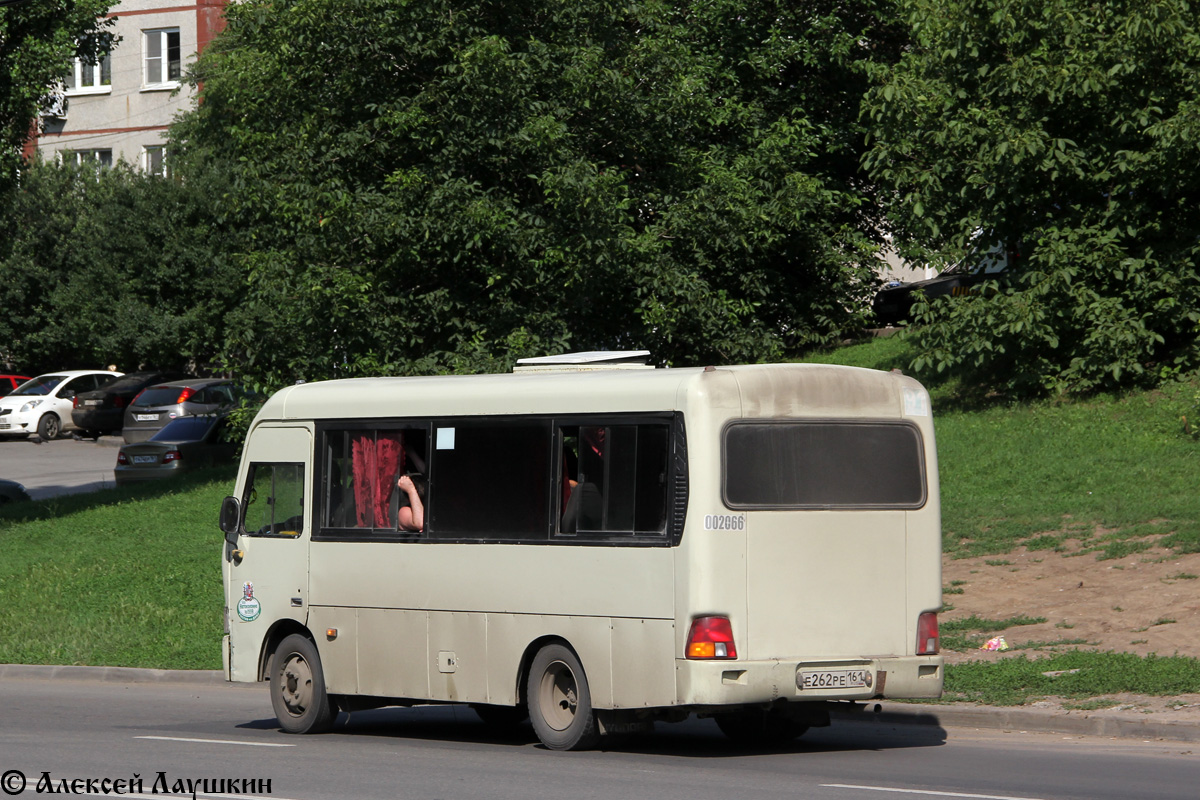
<point>1077,723</point>
<point>111,674</point>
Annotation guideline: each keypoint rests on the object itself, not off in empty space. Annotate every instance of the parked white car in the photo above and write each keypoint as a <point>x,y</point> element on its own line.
<point>42,405</point>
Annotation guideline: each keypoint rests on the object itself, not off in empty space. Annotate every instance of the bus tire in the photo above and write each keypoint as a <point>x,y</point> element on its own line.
<point>759,728</point>
<point>559,701</point>
<point>298,687</point>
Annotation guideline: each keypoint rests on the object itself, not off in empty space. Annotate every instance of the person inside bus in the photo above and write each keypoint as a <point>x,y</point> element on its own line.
<point>411,517</point>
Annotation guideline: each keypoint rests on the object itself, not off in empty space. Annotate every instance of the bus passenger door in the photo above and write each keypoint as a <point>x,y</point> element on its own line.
<point>266,574</point>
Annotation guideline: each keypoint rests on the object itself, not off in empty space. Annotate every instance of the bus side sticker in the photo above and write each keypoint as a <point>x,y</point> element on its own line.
<point>724,522</point>
<point>916,402</point>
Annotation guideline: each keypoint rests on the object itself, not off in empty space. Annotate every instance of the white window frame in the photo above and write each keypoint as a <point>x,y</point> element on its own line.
<point>76,85</point>
<point>164,166</point>
<point>90,155</point>
<point>156,69</point>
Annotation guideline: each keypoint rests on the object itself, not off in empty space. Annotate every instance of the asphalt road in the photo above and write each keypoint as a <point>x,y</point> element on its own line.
<point>191,732</point>
<point>63,466</point>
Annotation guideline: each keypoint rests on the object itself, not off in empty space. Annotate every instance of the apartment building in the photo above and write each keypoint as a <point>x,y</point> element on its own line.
<point>119,109</point>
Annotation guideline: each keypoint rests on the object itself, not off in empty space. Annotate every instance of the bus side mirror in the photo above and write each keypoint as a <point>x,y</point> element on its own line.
<point>231,511</point>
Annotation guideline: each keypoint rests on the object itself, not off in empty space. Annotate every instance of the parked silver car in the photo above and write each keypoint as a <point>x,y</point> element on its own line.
<point>184,444</point>
<point>157,405</point>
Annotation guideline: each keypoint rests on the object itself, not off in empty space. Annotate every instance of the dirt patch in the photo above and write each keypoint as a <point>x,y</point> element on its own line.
<point>1142,603</point>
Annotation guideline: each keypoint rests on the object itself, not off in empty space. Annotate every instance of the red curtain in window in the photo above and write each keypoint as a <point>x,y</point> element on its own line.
<point>377,462</point>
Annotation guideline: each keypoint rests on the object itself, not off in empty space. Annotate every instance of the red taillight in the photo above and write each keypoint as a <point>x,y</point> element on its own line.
<point>172,455</point>
<point>122,459</point>
<point>711,637</point>
<point>927,634</point>
<point>137,397</point>
<point>75,401</point>
<point>118,401</point>
<point>185,394</point>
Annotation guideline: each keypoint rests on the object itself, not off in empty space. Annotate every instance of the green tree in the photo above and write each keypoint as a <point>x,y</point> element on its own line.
<point>449,184</point>
<point>1073,128</point>
<point>38,41</point>
<point>112,266</point>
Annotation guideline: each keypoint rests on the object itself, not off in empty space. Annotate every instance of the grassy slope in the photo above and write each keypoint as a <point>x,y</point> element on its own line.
<point>122,577</point>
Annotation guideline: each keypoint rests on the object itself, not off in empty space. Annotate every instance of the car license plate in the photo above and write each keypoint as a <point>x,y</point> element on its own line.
<point>144,459</point>
<point>92,402</point>
<point>146,417</point>
<point>834,679</point>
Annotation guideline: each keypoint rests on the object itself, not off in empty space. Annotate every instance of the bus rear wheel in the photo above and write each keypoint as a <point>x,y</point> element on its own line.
<point>560,703</point>
<point>298,687</point>
<point>759,728</point>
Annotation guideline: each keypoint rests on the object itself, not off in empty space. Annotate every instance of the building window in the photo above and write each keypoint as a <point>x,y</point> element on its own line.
<point>163,62</point>
<point>85,78</point>
<point>154,160</point>
<point>98,157</point>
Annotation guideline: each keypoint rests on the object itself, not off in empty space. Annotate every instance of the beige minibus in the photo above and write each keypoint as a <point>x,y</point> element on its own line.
<point>596,547</point>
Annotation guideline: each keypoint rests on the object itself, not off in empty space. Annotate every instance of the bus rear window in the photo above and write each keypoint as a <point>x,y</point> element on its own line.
<point>823,464</point>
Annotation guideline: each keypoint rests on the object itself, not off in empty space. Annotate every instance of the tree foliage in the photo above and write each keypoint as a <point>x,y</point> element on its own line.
<point>449,184</point>
<point>1072,127</point>
<point>38,41</point>
<point>111,266</point>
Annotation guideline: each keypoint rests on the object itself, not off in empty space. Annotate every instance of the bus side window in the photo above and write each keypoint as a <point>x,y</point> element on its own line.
<point>620,484</point>
<point>489,480</point>
<point>274,500</point>
<point>361,471</point>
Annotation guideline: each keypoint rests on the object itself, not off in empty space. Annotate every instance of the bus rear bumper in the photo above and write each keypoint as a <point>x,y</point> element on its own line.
<point>721,683</point>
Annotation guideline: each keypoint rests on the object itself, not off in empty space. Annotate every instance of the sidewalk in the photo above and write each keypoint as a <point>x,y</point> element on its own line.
<point>1181,724</point>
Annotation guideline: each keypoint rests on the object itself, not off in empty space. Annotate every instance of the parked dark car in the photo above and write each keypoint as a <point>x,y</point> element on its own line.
<point>185,443</point>
<point>159,404</point>
<point>102,411</point>
<point>12,492</point>
<point>893,304</point>
<point>10,382</point>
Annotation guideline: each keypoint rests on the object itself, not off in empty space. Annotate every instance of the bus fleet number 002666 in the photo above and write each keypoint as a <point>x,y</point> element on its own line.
<point>724,522</point>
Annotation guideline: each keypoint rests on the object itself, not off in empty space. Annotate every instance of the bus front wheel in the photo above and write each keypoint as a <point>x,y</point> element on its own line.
<point>560,703</point>
<point>298,687</point>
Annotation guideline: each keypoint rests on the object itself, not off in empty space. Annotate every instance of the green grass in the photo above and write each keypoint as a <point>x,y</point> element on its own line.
<point>1018,679</point>
<point>967,633</point>
<point>120,577</point>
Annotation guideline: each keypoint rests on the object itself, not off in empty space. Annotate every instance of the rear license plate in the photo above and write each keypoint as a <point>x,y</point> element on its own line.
<point>834,679</point>
<point>92,402</point>
<point>144,459</point>
<point>146,417</point>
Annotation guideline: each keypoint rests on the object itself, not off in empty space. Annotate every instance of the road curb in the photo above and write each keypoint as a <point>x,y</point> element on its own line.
<point>112,674</point>
<point>1077,723</point>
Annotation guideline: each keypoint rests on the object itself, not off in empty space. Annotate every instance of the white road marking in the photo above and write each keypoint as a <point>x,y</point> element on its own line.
<point>925,791</point>
<point>214,741</point>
